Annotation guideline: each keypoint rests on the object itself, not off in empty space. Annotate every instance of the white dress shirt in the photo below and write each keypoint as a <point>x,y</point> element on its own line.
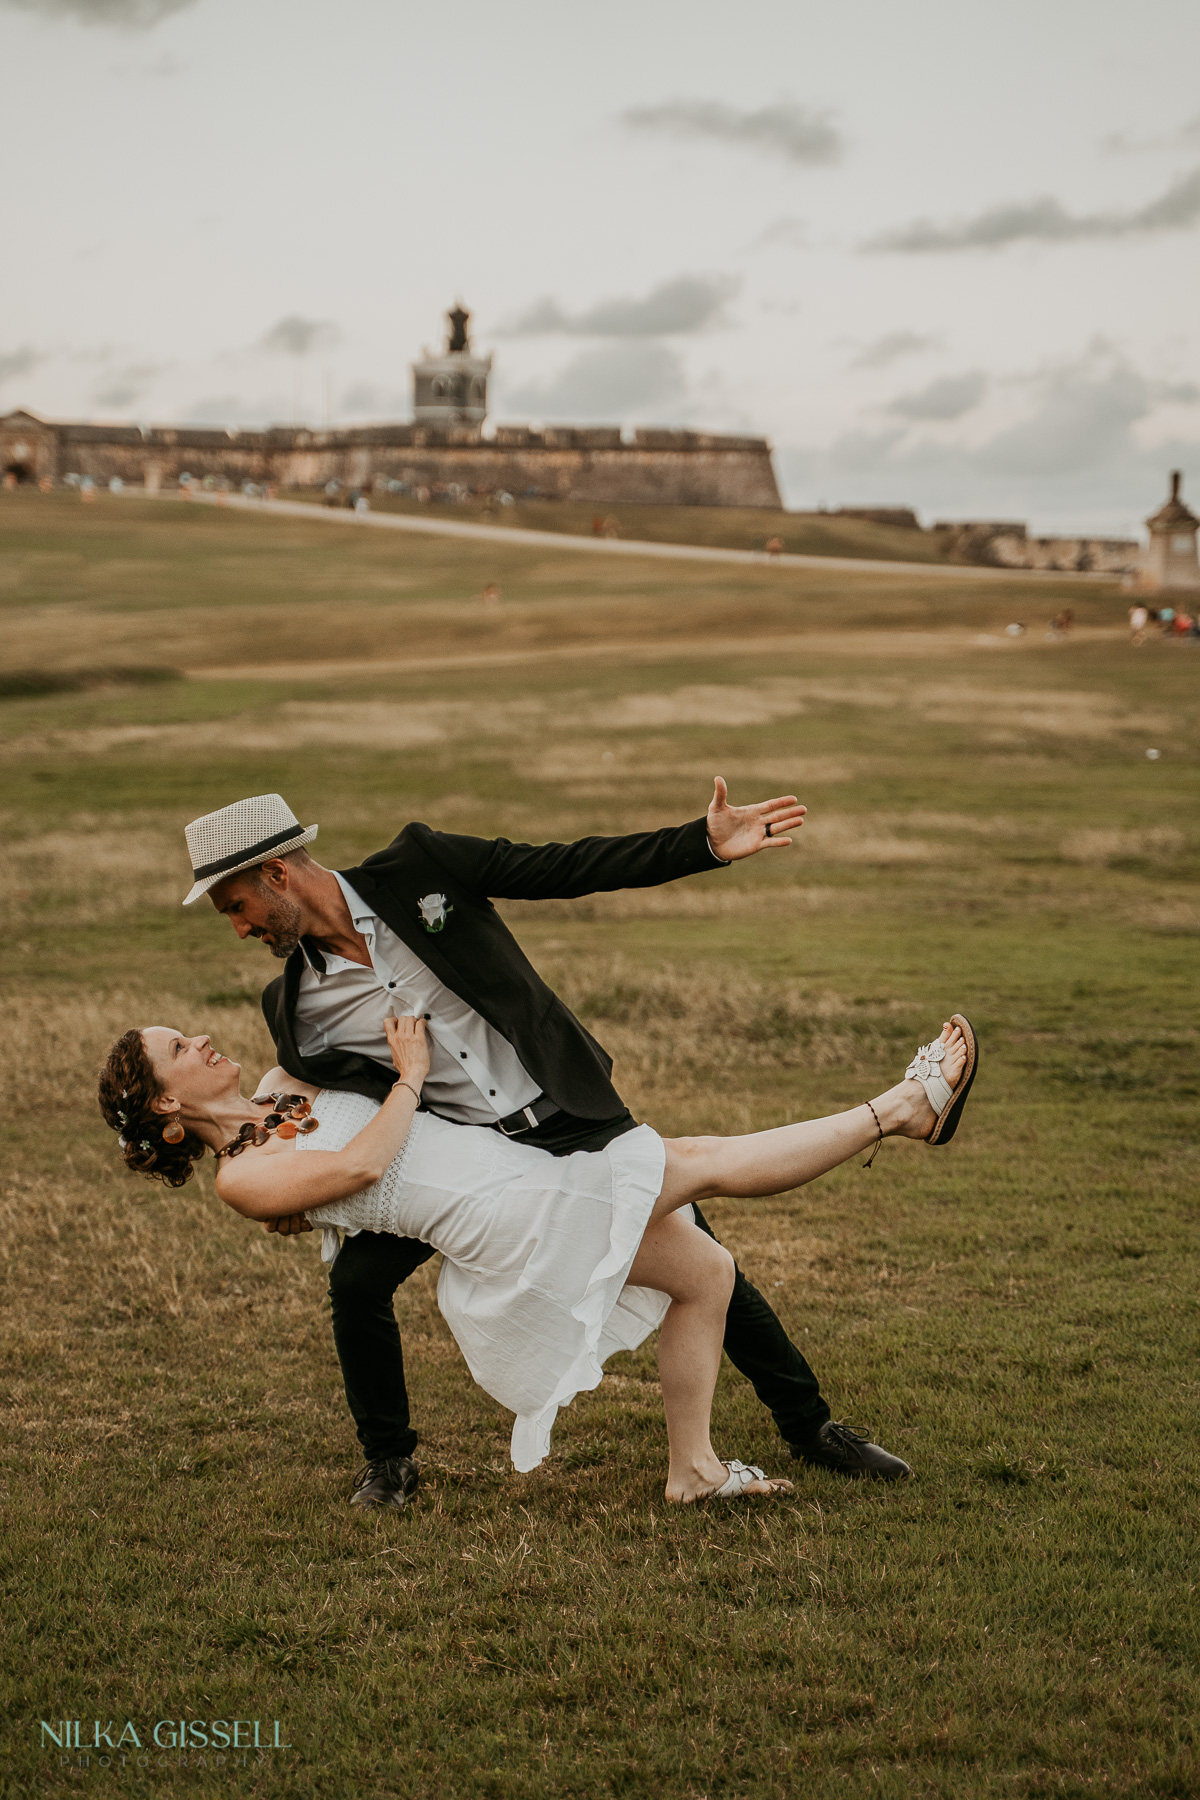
<point>475,1076</point>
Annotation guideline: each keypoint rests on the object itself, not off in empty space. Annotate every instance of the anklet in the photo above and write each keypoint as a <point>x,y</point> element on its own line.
<point>879,1139</point>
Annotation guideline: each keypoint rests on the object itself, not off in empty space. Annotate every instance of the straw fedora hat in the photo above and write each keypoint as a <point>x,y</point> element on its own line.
<point>240,837</point>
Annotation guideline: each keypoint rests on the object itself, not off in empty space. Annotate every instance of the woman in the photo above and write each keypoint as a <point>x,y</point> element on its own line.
<point>550,1264</point>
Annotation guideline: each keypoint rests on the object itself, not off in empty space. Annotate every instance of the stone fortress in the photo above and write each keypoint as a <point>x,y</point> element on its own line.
<point>445,451</point>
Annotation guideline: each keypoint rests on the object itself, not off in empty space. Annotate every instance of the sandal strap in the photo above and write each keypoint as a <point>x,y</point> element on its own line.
<point>925,1068</point>
<point>740,1477</point>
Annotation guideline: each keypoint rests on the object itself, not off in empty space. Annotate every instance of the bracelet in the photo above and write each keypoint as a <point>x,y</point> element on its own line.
<point>878,1140</point>
<point>412,1090</point>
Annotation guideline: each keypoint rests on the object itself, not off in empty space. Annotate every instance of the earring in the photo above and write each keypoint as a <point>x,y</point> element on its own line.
<point>173,1133</point>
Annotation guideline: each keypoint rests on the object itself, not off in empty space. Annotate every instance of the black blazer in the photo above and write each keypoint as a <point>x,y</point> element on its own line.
<point>476,955</point>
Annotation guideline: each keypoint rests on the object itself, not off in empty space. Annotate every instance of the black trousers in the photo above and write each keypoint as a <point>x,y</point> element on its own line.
<point>371,1266</point>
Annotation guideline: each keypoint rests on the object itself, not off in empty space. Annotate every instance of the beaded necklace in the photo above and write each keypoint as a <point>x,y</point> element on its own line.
<point>290,1114</point>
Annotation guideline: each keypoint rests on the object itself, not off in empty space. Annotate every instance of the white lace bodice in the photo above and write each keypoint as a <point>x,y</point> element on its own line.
<point>343,1116</point>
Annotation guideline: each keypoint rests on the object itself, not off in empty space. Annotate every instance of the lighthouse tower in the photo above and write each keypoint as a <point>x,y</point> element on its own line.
<point>1171,561</point>
<point>451,389</point>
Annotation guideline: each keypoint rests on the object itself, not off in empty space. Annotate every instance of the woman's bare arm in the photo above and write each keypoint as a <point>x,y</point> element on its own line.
<point>273,1182</point>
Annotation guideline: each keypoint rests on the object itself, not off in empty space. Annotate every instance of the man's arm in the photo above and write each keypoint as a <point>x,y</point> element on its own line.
<point>597,865</point>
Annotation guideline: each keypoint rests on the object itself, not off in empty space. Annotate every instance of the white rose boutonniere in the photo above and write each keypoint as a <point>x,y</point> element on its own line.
<point>435,910</point>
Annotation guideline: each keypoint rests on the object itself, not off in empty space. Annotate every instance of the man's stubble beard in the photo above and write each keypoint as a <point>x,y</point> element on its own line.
<point>283,923</point>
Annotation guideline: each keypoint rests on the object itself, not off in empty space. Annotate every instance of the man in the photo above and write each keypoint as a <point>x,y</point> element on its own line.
<point>414,930</point>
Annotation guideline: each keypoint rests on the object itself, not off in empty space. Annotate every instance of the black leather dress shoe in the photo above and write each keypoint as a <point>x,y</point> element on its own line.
<point>849,1452</point>
<point>390,1483</point>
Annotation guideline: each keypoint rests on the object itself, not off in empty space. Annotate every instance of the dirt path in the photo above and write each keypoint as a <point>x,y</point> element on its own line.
<point>918,645</point>
<point>561,540</point>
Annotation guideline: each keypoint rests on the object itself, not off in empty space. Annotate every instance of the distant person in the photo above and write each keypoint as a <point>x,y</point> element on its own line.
<point>597,525</point>
<point>490,595</point>
<point>1139,618</point>
<point>1166,618</point>
<point>1182,624</point>
<point>774,546</point>
<point>612,528</point>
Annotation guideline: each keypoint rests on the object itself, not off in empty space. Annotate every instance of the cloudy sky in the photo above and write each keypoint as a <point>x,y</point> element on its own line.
<point>942,252</point>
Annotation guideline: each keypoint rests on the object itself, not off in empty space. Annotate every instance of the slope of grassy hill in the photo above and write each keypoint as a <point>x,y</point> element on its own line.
<point>727,527</point>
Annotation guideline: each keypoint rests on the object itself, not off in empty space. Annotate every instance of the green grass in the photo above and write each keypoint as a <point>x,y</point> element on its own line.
<point>729,527</point>
<point>1016,1315</point>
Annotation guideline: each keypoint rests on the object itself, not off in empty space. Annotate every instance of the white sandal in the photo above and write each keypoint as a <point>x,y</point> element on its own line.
<point>741,1476</point>
<point>946,1101</point>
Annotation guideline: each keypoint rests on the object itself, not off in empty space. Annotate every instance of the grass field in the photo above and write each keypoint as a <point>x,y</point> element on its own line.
<point>1016,1315</point>
<point>731,527</point>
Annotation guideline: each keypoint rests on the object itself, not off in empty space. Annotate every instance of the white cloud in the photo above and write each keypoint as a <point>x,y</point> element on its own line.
<point>297,336</point>
<point>1187,137</point>
<point>123,386</point>
<point>799,134</point>
<point>788,233</point>
<point>1084,448</point>
<point>120,15</point>
<point>686,303</point>
<point>949,397</point>
<point>608,385</point>
<point>891,347</point>
<point>1047,221</point>
<point>14,363</point>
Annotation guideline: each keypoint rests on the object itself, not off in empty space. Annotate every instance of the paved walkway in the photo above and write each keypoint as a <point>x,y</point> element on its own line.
<point>562,540</point>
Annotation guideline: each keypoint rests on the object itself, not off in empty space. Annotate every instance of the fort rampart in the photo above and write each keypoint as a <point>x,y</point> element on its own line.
<point>669,468</point>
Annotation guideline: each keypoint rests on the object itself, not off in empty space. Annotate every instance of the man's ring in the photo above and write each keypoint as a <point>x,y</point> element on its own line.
<point>770,833</point>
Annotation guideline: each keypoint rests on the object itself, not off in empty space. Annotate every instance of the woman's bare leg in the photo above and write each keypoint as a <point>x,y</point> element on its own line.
<point>678,1259</point>
<point>771,1162</point>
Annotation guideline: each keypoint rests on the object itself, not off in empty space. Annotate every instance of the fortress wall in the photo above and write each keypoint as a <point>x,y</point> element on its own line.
<point>670,468</point>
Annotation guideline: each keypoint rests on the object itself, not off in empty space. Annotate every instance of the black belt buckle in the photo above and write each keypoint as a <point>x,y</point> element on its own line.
<point>527,1118</point>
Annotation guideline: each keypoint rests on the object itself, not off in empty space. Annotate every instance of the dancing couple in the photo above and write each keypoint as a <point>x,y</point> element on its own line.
<point>432,1093</point>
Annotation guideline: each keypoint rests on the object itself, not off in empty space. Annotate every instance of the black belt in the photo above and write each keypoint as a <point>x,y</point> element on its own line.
<point>528,1118</point>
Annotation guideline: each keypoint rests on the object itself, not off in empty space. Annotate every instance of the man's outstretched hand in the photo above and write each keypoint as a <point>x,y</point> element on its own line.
<point>737,831</point>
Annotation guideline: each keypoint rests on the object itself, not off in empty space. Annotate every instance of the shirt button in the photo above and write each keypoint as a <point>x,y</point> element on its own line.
<point>391,984</point>
<point>492,1092</point>
<point>463,1054</point>
<point>427,1015</point>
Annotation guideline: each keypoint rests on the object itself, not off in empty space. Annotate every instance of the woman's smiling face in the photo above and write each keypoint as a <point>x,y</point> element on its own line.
<point>189,1068</point>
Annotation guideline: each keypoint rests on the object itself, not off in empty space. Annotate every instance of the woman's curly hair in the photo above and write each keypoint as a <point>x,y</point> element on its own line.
<point>128,1089</point>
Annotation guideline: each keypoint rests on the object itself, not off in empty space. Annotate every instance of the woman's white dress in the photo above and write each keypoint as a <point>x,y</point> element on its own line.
<point>536,1250</point>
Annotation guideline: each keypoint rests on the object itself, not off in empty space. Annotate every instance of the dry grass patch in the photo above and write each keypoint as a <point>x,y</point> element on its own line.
<point>582,764</point>
<point>1100,848</point>
<point>88,873</point>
